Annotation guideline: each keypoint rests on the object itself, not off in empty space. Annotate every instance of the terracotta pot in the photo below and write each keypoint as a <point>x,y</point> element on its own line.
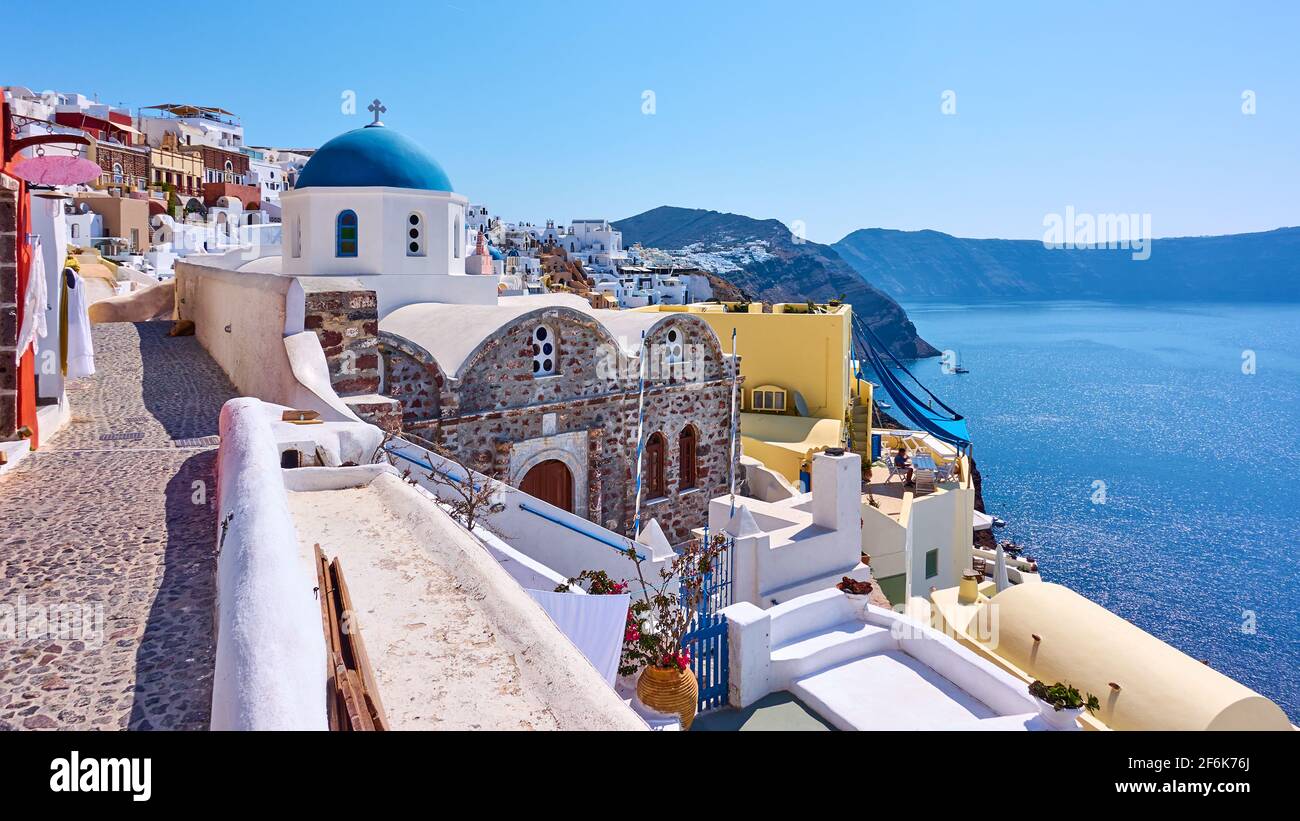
<point>669,691</point>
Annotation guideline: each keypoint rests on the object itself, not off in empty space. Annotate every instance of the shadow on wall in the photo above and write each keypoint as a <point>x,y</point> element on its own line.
<point>175,659</point>
<point>183,388</point>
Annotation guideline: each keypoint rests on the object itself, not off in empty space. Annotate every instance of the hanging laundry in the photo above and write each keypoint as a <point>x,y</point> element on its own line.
<point>34,302</point>
<point>595,625</point>
<point>79,353</point>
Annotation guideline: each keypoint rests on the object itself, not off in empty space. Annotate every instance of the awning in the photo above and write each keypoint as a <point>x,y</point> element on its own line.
<point>184,110</point>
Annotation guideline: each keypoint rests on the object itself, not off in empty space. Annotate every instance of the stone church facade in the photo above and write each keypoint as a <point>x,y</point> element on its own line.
<point>496,413</point>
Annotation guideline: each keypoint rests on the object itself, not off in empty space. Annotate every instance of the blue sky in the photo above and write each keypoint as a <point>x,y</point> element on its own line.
<point>823,112</point>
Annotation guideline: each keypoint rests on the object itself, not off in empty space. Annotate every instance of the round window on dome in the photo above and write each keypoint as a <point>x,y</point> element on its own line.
<point>544,351</point>
<point>415,233</point>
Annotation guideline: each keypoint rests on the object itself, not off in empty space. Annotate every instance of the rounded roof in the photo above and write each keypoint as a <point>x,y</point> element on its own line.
<point>451,334</point>
<point>373,156</point>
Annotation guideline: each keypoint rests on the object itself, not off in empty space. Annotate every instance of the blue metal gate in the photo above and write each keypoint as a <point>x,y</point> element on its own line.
<point>706,640</point>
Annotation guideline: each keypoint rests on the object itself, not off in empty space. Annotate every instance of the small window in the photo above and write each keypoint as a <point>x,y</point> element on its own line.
<point>297,237</point>
<point>673,350</point>
<point>414,235</point>
<point>686,458</point>
<point>768,398</point>
<point>931,563</point>
<point>546,353</point>
<point>76,230</point>
<point>346,234</point>
<point>654,467</point>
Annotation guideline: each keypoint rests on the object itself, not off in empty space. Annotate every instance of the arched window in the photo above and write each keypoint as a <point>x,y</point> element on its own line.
<point>654,467</point>
<point>546,352</point>
<point>414,235</point>
<point>345,234</point>
<point>686,472</point>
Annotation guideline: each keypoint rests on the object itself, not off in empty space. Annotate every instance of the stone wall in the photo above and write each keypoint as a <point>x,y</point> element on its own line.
<point>347,323</point>
<point>501,419</point>
<point>8,311</point>
<point>413,378</point>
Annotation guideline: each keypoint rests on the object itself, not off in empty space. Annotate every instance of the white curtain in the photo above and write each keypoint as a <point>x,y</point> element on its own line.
<point>81,351</point>
<point>595,625</point>
<point>34,300</point>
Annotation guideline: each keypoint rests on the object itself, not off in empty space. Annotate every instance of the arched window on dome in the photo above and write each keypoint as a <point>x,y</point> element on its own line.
<point>345,234</point>
<point>414,234</point>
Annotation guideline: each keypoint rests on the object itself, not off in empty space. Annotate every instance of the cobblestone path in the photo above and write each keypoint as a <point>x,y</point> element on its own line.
<point>107,555</point>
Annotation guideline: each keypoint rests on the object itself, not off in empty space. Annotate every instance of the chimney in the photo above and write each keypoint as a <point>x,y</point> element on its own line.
<point>837,490</point>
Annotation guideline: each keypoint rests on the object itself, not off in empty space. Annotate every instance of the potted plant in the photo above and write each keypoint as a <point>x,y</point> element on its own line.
<point>658,620</point>
<point>1060,704</point>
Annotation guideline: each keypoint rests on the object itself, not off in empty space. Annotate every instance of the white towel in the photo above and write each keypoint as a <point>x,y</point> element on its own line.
<point>595,624</point>
<point>81,351</point>
<point>34,303</point>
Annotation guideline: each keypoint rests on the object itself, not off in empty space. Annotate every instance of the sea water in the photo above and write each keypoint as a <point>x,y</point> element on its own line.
<point>1149,458</point>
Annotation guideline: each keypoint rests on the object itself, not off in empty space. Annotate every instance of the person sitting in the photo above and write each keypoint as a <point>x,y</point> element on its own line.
<point>901,462</point>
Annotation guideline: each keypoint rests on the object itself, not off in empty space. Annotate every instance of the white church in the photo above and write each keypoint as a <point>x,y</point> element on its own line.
<point>372,204</point>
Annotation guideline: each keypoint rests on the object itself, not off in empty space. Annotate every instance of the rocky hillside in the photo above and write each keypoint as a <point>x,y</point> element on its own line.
<point>762,258</point>
<point>932,265</point>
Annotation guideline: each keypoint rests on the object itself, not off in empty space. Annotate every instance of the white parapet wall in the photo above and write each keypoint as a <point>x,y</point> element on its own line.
<point>793,546</point>
<point>270,665</point>
<point>251,324</point>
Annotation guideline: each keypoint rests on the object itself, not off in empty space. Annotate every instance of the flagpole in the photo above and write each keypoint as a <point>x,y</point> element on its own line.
<point>732,423</point>
<point>640,442</point>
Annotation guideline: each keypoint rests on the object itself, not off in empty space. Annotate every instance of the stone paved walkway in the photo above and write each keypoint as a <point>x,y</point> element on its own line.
<point>107,551</point>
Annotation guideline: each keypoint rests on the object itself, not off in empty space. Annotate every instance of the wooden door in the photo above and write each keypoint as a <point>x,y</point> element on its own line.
<point>551,482</point>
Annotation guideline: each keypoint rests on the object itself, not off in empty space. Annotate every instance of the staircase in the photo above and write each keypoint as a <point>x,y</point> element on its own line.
<point>860,418</point>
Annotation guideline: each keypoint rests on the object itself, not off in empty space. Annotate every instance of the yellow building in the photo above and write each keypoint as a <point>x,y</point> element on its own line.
<point>169,165</point>
<point>799,396</point>
<point>1051,633</point>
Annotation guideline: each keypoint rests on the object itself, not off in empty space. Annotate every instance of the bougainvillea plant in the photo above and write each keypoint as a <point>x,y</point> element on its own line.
<point>661,614</point>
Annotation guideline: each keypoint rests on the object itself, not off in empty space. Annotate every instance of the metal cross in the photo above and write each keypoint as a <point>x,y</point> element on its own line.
<point>377,108</point>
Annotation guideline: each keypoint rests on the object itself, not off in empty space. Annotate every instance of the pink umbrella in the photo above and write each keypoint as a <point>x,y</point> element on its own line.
<point>62,170</point>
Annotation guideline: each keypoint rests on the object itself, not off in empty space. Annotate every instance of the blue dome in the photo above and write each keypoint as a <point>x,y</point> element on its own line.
<point>373,156</point>
<point>494,252</point>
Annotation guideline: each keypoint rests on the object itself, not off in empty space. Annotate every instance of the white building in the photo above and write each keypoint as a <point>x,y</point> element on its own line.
<point>266,174</point>
<point>372,204</point>
<point>636,287</point>
<point>192,125</point>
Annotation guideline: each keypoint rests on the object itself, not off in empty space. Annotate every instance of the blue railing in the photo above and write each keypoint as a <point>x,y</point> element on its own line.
<point>428,466</point>
<point>554,520</point>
